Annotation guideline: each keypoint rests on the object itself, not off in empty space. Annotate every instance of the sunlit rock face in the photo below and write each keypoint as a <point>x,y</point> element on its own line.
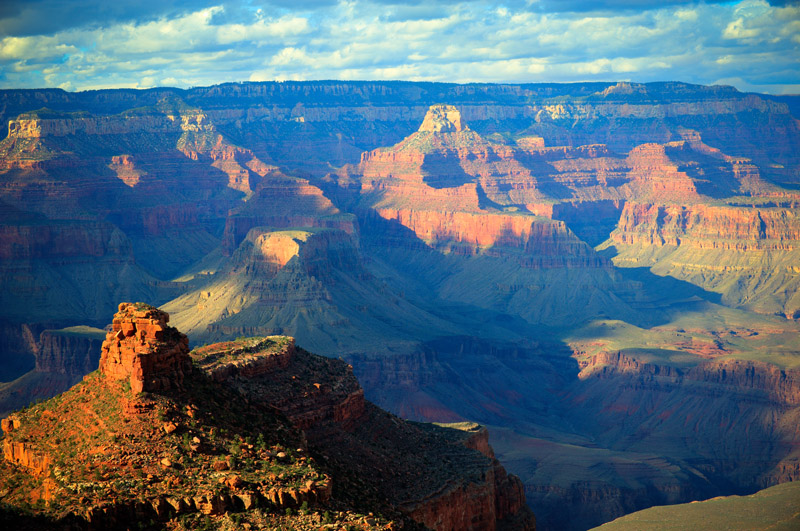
<point>442,119</point>
<point>142,349</point>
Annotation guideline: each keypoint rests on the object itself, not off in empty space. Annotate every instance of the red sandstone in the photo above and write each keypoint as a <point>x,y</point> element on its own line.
<point>142,349</point>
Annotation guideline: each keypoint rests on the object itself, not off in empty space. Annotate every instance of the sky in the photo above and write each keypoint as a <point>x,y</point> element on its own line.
<point>753,45</point>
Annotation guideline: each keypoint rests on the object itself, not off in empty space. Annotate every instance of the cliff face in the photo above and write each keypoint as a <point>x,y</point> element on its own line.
<point>51,269</point>
<point>709,227</point>
<point>748,255</point>
<point>60,359</point>
<point>66,241</point>
<point>737,123</point>
<point>455,483</point>
<point>72,351</point>
<point>544,244</point>
<point>766,397</point>
<point>447,185</point>
<point>283,202</point>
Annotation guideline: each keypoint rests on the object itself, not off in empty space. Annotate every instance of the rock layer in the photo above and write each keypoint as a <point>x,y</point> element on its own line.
<point>455,484</point>
<point>144,351</point>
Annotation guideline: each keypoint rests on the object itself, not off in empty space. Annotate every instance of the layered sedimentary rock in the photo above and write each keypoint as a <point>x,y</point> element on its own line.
<point>443,477</point>
<point>679,430</point>
<point>310,282</point>
<point>20,453</point>
<point>440,183</point>
<point>748,255</point>
<point>144,351</point>
<point>52,269</point>
<point>742,124</point>
<point>766,397</point>
<point>62,357</point>
<point>322,210</point>
<point>283,202</point>
<point>74,351</point>
<point>704,227</point>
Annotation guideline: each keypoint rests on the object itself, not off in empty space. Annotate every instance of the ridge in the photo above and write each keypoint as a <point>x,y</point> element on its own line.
<point>255,431</point>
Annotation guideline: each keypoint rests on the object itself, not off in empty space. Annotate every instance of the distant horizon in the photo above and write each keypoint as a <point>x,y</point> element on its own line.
<point>753,45</point>
<point>507,83</point>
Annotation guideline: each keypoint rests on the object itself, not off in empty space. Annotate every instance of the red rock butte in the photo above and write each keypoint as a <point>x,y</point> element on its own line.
<point>142,349</point>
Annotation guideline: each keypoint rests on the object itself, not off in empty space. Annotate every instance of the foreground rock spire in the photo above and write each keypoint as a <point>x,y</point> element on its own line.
<point>144,350</point>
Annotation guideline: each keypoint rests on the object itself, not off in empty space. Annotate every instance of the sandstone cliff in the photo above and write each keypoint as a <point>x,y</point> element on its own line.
<point>748,255</point>
<point>145,352</point>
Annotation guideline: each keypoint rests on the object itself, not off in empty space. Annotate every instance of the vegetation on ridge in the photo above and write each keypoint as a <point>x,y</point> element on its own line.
<point>105,450</point>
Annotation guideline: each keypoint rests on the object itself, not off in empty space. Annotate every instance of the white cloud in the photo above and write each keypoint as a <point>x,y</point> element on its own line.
<point>32,48</point>
<point>750,42</point>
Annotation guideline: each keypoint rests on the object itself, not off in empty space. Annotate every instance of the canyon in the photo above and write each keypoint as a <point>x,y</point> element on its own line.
<point>605,275</point>
<point>156,409</point>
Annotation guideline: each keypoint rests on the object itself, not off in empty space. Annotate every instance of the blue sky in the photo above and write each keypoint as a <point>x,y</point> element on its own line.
<point>85,44</point>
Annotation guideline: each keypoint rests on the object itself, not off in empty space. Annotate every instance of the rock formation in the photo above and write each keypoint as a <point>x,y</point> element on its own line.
<point>142,350</point>
<point>214,440</point>
<point>74,351</point>
<point>446,478</point>
<point>746,254</point>
<point>62,357</point>
<point>442,119</point>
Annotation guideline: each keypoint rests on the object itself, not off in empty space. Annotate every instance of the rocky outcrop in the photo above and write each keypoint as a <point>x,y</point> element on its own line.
<point>22,453</point>
<point>462,507</point>
<point>269,368</point>
<point>248,359</point>
<point>142,350</point>
<point>442,119</point>
<point>658,177</point>
<point>472,506</point>
<point>468,490</point>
